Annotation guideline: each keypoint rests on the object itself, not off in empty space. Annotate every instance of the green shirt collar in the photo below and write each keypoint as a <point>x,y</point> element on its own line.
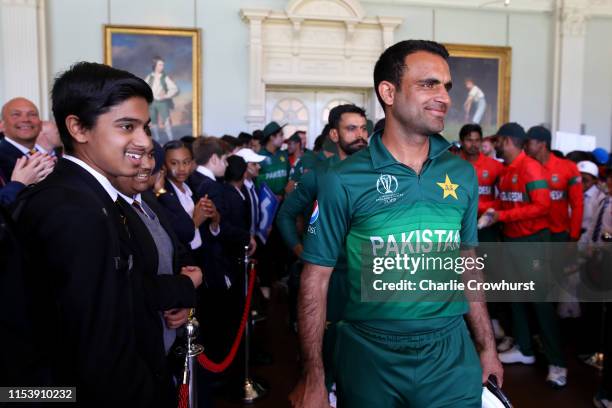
<point>382,158</point>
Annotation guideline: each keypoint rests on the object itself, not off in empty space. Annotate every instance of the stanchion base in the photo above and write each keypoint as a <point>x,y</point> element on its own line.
<point>252,391</point>
<point>246,391</point>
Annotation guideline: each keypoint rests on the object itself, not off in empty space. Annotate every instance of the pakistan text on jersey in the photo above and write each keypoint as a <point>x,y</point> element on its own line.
<point>416,241</point>
<point>276,174</point>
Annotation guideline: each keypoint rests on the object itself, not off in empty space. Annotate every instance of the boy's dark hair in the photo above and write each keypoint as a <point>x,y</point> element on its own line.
<point>469,128</point>
<point>205,146</point>
<point>391,63</point>
<point>88,90</point>
<point>335,115</point>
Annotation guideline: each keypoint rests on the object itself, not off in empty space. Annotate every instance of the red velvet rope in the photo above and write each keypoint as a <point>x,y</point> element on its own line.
<point>222,366</point>
<point>183,396</point>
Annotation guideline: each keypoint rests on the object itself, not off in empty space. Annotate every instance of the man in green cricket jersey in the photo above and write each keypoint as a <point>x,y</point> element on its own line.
<point>404,190</point>
<point>349,133</point>
<point>275,169</point>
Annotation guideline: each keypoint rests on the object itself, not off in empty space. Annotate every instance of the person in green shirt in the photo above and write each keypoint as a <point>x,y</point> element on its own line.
<point>275,168</point>
<point>349,133</point>
<point>404,191</point>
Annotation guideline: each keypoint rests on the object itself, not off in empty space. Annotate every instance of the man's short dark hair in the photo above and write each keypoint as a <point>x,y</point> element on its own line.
<point>88,90</point>
<point>469,128</point>
<point>258,134</point>
<point>205,147</point>
<point>231,140</point>
<point>244,139</point>
<point>391,63</point>
<point>335,115</point>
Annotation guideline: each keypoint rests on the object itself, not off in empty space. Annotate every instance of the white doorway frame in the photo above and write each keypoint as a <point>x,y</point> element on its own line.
<point>314,43</point>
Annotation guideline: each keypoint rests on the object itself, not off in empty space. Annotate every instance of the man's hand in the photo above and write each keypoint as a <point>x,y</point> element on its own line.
<point>199,213</point>
<point>33,169</point>
<point>175,318</point>
<point>252,246</point>
<point>194,273</point>
<point>310,392</point>
<point>160,180</point>
<point>290,186</point>
<point>491,366</point>
<point>210,210</point>
<point>298,249</point>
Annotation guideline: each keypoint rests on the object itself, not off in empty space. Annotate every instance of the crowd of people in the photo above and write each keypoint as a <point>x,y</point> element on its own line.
<point>109,240</point>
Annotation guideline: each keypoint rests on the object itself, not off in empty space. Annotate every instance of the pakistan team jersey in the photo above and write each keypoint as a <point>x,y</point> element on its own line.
<point>274,170</point>
<point>524,198</point>
<point>376,207</point>
<point>565,188</point>
<point>300,202</point>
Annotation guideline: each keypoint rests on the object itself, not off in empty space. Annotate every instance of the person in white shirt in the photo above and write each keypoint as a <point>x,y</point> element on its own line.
<point>252,159</point>
<point>475,96</point>
<point>164,89</point>
<point>177,167</point>
<point>592,195</point>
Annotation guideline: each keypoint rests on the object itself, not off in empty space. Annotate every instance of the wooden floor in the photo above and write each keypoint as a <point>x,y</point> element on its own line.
<point>523,384</point>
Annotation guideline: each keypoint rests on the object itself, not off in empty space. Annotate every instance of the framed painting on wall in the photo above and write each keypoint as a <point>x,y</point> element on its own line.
<point>481,87</point>
<point>168,59</point>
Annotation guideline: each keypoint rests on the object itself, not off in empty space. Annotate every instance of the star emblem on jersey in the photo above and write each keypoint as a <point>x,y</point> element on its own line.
<point>448,188</point>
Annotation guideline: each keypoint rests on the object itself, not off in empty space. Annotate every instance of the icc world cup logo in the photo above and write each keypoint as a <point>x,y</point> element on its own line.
<point>386,184</point>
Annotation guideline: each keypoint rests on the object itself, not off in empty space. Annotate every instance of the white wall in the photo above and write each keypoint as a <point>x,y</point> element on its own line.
<point>75,33</point>
<point>597,94</point>
<point>529,34</point>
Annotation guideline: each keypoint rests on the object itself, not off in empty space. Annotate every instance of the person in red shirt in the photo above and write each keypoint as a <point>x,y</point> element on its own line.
<point>487,169</point>
<point>565,187</point>
<point>523,207</point>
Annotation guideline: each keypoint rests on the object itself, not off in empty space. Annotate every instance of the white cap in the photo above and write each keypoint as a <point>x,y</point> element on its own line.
<point>250,156</point>
<point>588,167</point>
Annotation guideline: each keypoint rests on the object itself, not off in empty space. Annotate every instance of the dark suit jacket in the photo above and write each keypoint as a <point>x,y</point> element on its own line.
<point>194,181</point>
<point>236,220</point>
<point>80,283</point>
<point>157,293</point>
<point>16,337</point>
<point>213,258</point>
<point>181,222</point>
<point>9,190</point>
<point>8,156</point>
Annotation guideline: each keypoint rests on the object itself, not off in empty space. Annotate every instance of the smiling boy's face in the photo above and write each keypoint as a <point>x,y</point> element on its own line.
<point>117,142</point>
<point>139,183</point>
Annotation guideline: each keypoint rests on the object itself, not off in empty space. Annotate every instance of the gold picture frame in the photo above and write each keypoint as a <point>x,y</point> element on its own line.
<point>139,50</point>
<point>489,69</point>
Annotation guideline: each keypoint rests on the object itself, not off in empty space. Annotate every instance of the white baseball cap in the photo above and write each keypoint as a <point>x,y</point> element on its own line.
<point>588,167</point>
<point>250,156</point>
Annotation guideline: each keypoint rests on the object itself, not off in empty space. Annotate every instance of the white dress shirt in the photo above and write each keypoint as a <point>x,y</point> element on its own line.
<point>24,149</point>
